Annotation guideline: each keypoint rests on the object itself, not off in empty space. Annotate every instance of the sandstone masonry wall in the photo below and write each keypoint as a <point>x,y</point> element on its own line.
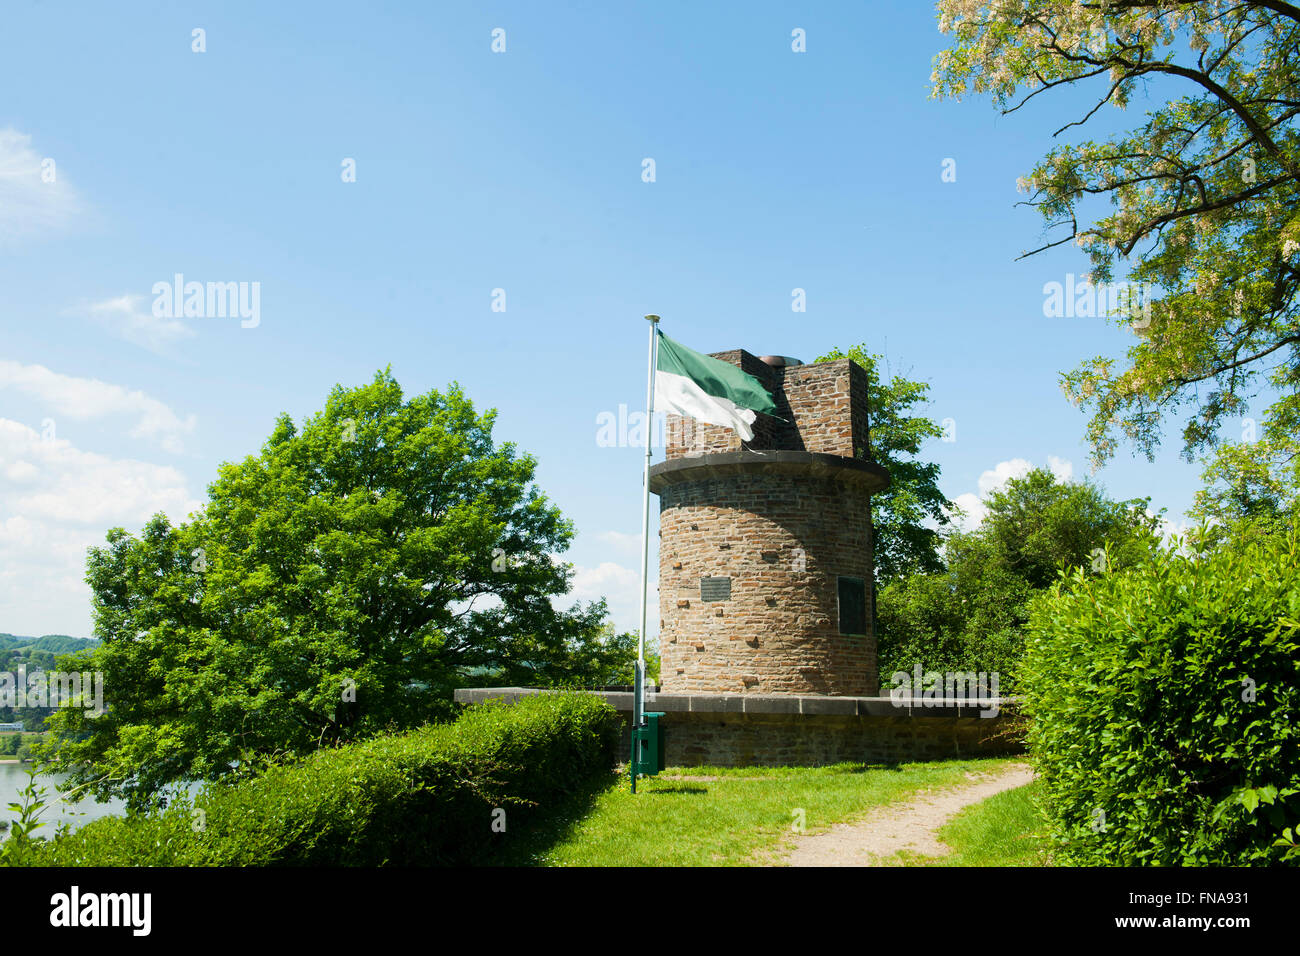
<point>784,730</point>
<point>819,408</point>
<point>783,541</point>
<point>803,740</point>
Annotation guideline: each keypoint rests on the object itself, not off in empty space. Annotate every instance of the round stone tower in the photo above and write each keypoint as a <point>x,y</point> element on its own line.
<point>765,547</point>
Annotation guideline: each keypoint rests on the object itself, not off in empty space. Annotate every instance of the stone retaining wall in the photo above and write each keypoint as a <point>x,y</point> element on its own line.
<point>804,731</point>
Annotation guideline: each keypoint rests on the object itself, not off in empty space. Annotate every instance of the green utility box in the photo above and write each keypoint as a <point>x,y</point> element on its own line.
<point>648,746</point>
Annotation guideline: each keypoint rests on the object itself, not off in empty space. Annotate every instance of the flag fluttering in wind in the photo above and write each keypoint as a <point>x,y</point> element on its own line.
<point>708,389</point>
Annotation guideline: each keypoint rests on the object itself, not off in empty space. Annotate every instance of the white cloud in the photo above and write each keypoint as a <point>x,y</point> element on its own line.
<point>996,478</point>
<point>88,399</point>
<point>1062,468</point>
<point>30,204</point>
<point>974,511</point>
<point>589,583</point>
<point>620,586</point>
<point>128,317</point>
<point>55,501</point>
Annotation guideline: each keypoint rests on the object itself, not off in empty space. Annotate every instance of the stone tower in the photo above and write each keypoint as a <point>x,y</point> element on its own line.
<point>765,547</point>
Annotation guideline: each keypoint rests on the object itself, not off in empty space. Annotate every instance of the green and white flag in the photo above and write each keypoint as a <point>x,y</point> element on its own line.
<point>708,389</point>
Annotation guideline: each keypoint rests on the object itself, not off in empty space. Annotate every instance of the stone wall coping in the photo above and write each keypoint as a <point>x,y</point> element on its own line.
<point>807,463</point>
<point>765,703</point>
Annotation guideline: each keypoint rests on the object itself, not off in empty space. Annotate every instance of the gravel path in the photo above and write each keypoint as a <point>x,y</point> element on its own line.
<point>907,826</point>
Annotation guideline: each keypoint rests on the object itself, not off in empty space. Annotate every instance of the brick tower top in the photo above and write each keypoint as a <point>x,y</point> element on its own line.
<point>819,408</point>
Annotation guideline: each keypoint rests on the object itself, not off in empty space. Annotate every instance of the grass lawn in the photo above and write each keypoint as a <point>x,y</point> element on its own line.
<point>1004,830</point>
<point>721,816</point>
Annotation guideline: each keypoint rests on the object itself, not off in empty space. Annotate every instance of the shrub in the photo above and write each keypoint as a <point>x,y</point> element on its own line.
<point>426,797</point>
<point>1166,709</point>
<point>946,623</point>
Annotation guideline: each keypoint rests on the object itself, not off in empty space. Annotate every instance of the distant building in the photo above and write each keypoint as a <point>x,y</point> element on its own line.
<point>14,726</point>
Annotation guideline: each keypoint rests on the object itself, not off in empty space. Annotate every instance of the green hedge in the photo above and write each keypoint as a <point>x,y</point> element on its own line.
<point>426,797</point>
<point>1165,706</point>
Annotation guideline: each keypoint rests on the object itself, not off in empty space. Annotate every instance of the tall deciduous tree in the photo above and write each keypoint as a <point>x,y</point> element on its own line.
<point>1205,192</point>
<point>972,614</point>
<point>334,585</point>
<point>910,515</point>
<point>1252,490</point>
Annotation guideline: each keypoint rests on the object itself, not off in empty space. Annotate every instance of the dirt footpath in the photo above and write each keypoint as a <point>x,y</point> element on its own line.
<point>910,825</point>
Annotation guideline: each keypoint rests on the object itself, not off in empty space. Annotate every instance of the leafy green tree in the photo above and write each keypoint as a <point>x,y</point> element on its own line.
<point>583,661</point>
<point>909,516</point>
<point>335,585</point>
<point>1037,527</point>
<point>1252,490</point>
<point>972,615</point>
<point>967,618</point>
<point>1204,195</point>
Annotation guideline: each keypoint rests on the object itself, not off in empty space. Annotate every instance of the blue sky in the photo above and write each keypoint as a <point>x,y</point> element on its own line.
<point>477,171</point>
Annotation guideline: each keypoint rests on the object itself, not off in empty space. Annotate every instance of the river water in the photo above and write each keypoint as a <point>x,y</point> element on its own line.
<point>13,778</point>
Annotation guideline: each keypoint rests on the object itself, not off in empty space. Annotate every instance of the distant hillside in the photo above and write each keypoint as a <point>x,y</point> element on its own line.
<point>50,643</point>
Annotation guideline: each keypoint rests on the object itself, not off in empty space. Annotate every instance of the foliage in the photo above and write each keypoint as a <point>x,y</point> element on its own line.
<point>1165,706</point>
<point>336,585</point>
<point>33,655</point>
<point>972,615</point>
<point>1037,526</point>
<point>1205,194</point>
<point>904,542</point>
<point>426,797</point>
<point>1251,491</point>
<point>969,618</point>
<point>28,746</point>
<point>607,658</point>
<point>50,643</point>
<point>18,850</point>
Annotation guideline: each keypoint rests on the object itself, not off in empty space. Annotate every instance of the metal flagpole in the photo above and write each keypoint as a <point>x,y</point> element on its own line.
<point>638,696</point>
